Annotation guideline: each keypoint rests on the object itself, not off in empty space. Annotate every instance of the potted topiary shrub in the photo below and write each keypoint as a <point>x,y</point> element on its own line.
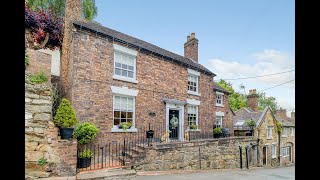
<point>193,126</point>
<point>85,158</point>
<point>65,119</point>
<point>85,132</point>
<point>217,132</point>
<point>125,125</point>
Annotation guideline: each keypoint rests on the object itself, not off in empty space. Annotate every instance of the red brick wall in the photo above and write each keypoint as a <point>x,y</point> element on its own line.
<point>91,96</point>
<point>38,61</point>
<point>227,121</point>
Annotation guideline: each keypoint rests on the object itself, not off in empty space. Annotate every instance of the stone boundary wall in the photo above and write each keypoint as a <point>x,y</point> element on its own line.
<point>220,153</point>
<point>41,137</point>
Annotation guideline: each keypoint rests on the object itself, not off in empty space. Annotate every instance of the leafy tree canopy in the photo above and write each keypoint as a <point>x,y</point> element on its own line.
<point>89,8</point>
<point>265,101</point>
<point>237,100</point>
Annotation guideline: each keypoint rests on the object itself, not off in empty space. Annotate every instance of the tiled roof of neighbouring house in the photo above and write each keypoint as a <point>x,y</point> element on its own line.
<point>219,88</point>
<point>244,114</point>
<point>285,122</point>
<point>139,44</point>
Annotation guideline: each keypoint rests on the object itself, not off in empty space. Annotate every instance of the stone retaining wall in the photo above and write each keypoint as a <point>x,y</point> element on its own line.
<point>41,137</point>
<point>209,154</point>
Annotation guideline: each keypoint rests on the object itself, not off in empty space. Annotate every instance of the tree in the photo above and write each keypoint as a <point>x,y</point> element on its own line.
<point>89,8</point>
<point>265,101</point>
<point>236,100</point>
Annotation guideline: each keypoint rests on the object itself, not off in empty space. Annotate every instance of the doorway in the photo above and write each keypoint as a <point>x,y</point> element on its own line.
<point>264,155</point>
<point>174,124</point>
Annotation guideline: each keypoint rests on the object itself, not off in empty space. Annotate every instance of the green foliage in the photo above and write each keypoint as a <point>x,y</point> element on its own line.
<point>85,132</point>
<point>85,154</point>
<point>193,126</point>
<point>42,161</point>
<point>236,100</point>
<point>267,101</point>
<point>89,8</point>
<point>279,127</point>
<point>65,116</point>
<point>38,78</point>
<point>26,60</point>
<point>250,123</point>
<point>125,125</point>
<point>217,130</point>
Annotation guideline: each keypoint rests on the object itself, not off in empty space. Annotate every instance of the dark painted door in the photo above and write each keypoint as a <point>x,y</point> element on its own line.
<point>264,156</point>
<point>290,155</point>
<point>174,124</point>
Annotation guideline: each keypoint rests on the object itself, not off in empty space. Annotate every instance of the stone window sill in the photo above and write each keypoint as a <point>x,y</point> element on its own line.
<point>193,130</point>
<point>122,78</point>
<point>194,93</point>
<point>116,129</point>
<point>219,105</point>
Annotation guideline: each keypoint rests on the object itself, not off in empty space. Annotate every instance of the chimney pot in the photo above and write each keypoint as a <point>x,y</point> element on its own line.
<point>188,38</point>
<point>193,35</point>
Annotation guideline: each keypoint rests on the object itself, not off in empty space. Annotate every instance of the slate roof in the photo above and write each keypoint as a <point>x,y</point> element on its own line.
<point>219,88</point>
<point>140,45</point>
<point>245,114</point>
<point>285,122</point>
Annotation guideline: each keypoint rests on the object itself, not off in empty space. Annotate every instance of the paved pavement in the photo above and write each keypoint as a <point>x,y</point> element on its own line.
<point>287,173</point>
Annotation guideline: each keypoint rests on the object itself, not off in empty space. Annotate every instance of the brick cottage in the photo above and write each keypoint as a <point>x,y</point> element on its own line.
<point>111,77</point>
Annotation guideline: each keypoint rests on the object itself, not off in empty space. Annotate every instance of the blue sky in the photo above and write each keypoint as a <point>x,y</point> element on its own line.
<point>236,38</point>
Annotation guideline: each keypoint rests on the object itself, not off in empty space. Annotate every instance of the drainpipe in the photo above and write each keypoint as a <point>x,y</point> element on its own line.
<point>279,148</point>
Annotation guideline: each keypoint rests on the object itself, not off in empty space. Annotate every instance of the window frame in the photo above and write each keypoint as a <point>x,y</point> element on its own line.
<point>222,99</point>
<point>285,151</point>
<point>273,150</point>
<point>269,127</point>
<point>197,117</point>
<point>196,74</point>
<point>284,132</point>
<point>217,121</point>
<point>115,128</point>
<point>125,51</point>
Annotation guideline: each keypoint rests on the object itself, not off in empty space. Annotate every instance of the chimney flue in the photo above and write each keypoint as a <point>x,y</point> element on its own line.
<point>252,100</point>
<point>191,47</point>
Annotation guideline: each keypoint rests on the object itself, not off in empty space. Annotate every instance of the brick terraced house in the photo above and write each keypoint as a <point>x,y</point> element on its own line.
<point>117,78</point>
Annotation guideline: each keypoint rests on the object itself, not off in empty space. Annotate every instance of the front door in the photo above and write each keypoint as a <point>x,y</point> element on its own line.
<point>174,124</point>
<point>290,155</point>
<point>264,157</point>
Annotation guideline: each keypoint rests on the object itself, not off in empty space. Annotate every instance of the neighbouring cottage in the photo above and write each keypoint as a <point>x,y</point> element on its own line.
<point>266,150</point>
<point>224,114</point>
<point>111,77</point>
<point>287,141</point>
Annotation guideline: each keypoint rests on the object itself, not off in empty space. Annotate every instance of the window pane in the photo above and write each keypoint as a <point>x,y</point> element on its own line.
<point>131,60</point>
<point>123,115</point>
<point>117,57</point>
<point>118,65</point>
<point>116,103</point>
<point>130,74</point>
<point>124,73</point>
<point>129,120</point>
<point>123,120</point>
<point>124,103</point>
<point>129,114</point>
<point>130,68</point>
<point>116,121</point>
<point>116,114</point>
<point>124,66</point>
<point>117,71</point>
<point>130,104</point>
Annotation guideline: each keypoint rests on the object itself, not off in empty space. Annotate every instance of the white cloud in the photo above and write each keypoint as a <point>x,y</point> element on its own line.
<point>269,61</point>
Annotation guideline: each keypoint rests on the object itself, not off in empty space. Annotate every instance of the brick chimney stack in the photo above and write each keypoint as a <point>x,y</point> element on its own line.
<point>252,100</point>
<point>191,47</point>
<point>282,113</point>
<point>73,11</point>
